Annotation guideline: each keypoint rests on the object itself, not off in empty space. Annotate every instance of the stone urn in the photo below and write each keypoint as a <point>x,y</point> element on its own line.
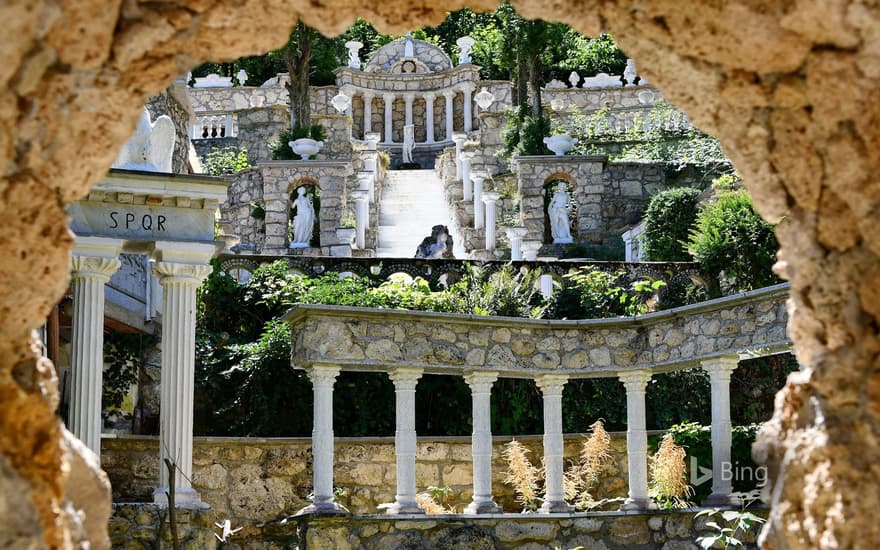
<point>560,144</point>
<point>305,147</point>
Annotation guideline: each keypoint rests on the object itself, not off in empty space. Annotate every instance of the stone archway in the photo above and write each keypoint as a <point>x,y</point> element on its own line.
<point>790,88</point>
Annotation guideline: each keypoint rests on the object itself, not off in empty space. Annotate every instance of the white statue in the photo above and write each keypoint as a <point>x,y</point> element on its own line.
<point>354,60</point>
<point>574,78</point>
<point>151,147</point>
<point>303,223</point>
<point>242,77</point>
<point>408,47</point>
<point>557,210</point>
<point>409,143</point>
<point>629,73</point>
<point>465,44</point>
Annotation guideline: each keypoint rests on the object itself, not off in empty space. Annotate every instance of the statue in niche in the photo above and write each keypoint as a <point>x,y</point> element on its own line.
<point>303,222</point>
<point>436,246</point>
<point>151,147</point>
<point>409,143</point>
<point>557,211</point>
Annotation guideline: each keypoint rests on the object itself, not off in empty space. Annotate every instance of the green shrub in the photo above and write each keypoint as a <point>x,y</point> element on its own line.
<point>669,219</point>
<point>279,148</point>
<point>524,134</point>
<point>733,244</point>
<point>225,161</point>
<point>594,294</point>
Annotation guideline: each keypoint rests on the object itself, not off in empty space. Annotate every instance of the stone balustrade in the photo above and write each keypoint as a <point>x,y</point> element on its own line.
<point>712,335</point>
<point>215,125</point>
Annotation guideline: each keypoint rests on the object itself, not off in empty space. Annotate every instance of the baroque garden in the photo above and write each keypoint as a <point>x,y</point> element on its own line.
<point>423,238</point>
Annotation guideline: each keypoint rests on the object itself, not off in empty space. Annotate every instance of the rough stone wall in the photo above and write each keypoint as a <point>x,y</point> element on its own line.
<point>251,480</point>
<point>136,526</point>
<point>793,101</point>
<point>258,127</point>
<point>245,192</point>
<point>444,343</point>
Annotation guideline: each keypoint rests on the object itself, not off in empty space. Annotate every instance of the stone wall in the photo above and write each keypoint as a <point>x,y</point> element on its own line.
<point>753,323</point>
<point>251,480</point>
<point>138,527</point>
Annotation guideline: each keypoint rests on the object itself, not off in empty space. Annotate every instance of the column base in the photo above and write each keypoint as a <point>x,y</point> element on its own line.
<point>401,508</point>
<point>632,504</point>
<point>482,507</point>
<point>555,507</point>
<point>719,500</point>
<point>323,508</point>
<point>183,498</point>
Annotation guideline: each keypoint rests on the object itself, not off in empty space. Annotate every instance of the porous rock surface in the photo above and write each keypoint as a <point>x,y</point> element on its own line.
<point>790,87</point>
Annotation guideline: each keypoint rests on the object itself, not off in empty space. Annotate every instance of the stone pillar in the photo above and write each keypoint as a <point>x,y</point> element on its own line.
<point>459,140</point>
<point>408,108</point>
<point>551,387</point>
<point>93,261</point>
<point>361,216</point>
<point>720,369</point>
<point>468,90</point>
<point>180,268</point>
<point>515,236</point>
<point>636,440</point>
<point>368,113</point>
<point>489,199</point>
<point>450,120</point>
<point>481,442</point>
<point>405,380</point>
<point>546,286</point>
<point>467,178</point>
<point>479,216</point>
<point>389,107</point>
<point>429,117</point>
<point>322,377</point>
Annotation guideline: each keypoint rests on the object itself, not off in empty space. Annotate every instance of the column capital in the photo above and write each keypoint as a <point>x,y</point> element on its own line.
<point>323,375</point>
<point>368,95</point>
<point>491,197</point>
<point>481,381</point>
<point>184,253</point>
<point>388,96</point>
<point>90,267</point>
<point>405,378</point>
<point>634,380</point>
<point>467,87</point>
<point>721,366</point>
<point>97,247</point>
<point>187,274</point>
<point>551,384</point>
<point>360,195</point>
<point>409,96</point>
<point>449,94</point>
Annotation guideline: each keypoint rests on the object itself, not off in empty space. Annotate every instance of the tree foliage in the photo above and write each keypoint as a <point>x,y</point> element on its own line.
<point>669,220</point>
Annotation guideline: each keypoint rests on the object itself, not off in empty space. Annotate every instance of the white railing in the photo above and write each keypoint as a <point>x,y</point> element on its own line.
<point>214,126</point>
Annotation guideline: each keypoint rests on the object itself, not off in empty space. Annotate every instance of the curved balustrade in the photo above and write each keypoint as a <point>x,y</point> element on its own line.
<point>712,335</point>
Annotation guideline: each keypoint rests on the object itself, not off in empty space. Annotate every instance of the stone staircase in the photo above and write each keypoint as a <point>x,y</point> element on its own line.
<point>412,203</point>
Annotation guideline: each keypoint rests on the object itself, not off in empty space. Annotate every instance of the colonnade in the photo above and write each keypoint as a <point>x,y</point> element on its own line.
<point>430,97</point>
<point>180,268</point>
<point>551,385</point>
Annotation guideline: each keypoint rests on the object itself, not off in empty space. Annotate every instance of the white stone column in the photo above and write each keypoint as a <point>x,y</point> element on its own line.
<point>481,442</point>
<point>636,440</point>
<point>361,215</point>
<point>405,380</point>
<point>408,108</point>
<point>468,90</point>
<point>450,120</point>
<point>479,215</point>
<point>551,387</point>
<point>489,199</point>
<point>429,117</point>
<point>459,140</point>
<point>389,109</point>
<point>368,113</point>
<point>546,286</point>
<point>720,369</point>
<point>530,250</point>
<point>93,262</point>
<point>515,236</point>
<point>180,268</point>
<point>322,377</point>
